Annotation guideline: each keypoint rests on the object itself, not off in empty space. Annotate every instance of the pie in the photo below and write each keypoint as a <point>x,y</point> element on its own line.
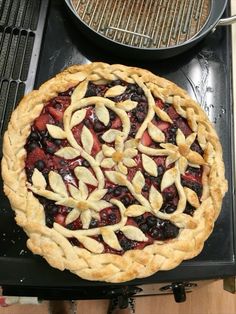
<point>113,172</point>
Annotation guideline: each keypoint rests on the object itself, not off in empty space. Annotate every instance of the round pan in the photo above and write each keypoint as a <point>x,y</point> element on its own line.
<point>217,10</point>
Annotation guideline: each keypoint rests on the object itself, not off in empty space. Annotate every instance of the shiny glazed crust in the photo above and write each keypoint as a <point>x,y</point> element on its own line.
<point>51,243</point>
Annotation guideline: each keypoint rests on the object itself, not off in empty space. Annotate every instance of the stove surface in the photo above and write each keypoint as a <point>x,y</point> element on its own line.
<point>205,72</point>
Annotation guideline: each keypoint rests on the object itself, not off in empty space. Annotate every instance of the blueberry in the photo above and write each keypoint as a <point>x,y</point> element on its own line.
<point>50,150</point>
<point>140,116</point>
<point>70,226</point>
<point>32,146</point>
<point>126,244</point>
<point>86,122</point>
<point>110,189</point>
<point>58,106</point>
<point>144,228</point>
<point>63,163</point>
<point>135,97</point>
<point>34,135</point>
<point>116,82</point>
<point>93,223</point>
<point>57,142</point>
<point>51,209</point>
<point>98,126</point>
<point>170,231</point>
<point>85,163</point>
<point>91,91</point>
<point>131,88</point>
<point>112,218</point>
<point>189,210</point>
<point>193,185</point>
<point>49,221</point>
<point>117,191</point>
<point>40,164</point>
<point>169,209</point>
<point>125,200</point>
<point>157,234</point>
<point>151,221</point>
<point>112,116</point>
<point>161,170</point>
<point>197,148</point>
<point>139,91</point>
<point>168,196</point>
<point>145,188</point>
<point>139,219</point>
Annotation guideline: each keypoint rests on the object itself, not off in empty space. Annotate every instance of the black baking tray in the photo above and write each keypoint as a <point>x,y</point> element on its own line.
<point>205,72</point>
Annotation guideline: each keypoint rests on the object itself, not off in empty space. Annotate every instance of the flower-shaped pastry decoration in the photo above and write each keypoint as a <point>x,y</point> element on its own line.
<point>119,157</point>
<point>182,153</point>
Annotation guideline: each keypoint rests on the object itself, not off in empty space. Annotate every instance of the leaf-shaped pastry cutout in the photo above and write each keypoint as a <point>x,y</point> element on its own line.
<point>99,205</point>
<point>38,179</point>
<point>56,132</point>
<point>172,158</point>
<point>132,143</point>
<point>122,168</point>
<point>162,115</point>
<point>83,189</point>
<point>169,178</point>
<point>182,164</point>
<point>130,152</point>
<point>74,192</point>
<point>57,184</point>
<point>190,139</point>
<point>135,211</point>
<point>115,91</point>
<point>116,177</point>
<point>129,162</point>
<point>102,113</point>
<point>67,152</point>
<point>138,182</point>
<point>72,216</point>
<point>91,244</point>
<point>133,233</point>
<point>87,139</point>
<point>192,197</point>
<point>127,105</point>
<point>156,134</point>
<point>99,157</point>
<point>108,163</point>
<point>180,138</point>
<point>108,151</point>
<point>96,195</point>
<point>149,165</point>
<point>77,117</point>
<point>110,238</point>
<point>110,135</point>
<point>83,174</point>
<point>85,217</point>
<point>195,158</point>
<point>155,199</point>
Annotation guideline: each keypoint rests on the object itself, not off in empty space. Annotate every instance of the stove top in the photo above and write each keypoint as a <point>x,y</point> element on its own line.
<point>205,72</point>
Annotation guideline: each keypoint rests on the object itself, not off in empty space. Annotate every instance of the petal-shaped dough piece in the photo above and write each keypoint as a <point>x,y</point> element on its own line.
<point>133,233</point>
<point>99,205</point>
<point>155,199</point>
<point>87,139</point>
<point>162,115</point>
<point>91,244</point>
<point>116,177</point>
<point>99,157</point>
<point>127,105</point>
<point>135,211</point>
<point>72,216</point>
<point>149,165</point>
<point>195,158</point>
<point>115,91</point>
<point>190,139</point>
<point>180,138</point>
<point>110,135</point>
<point>182,164</point>
<point>130,152</point>
<point>156,134</point>
<point>138,182</point>
<point>172,158</point>
<point>86,218</point>
<point>192,197</point>
<point>96,195</point>
<point>83,190</point>
<point>38,179</point>
<point>169,178</point>
<point>121,167</point>
<point>67,152</point>
<point>102,113</point>
<point>56,132</point>
<point>77,117</point>
<point>108,163</point>
<point>57,184</point>
<point>108,151</point>
<point>74,192</point>
<point>110,238</point>
<point>83,174</point>
<point>129,162</point>
<point>132,143</point>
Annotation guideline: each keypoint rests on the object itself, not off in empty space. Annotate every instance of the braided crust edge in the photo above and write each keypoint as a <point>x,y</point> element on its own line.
<point>53,246</point>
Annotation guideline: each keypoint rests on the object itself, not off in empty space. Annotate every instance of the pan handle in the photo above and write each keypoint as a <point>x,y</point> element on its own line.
<point>227,21</point>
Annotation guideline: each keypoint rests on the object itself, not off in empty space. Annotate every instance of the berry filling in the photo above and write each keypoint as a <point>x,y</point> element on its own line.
<point>41,149</point>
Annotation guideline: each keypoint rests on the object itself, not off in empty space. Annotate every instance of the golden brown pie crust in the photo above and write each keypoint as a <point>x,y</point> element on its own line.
<point>52,243</point>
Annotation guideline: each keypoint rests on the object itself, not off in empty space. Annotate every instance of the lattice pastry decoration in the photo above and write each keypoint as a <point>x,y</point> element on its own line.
<point>120,172</point>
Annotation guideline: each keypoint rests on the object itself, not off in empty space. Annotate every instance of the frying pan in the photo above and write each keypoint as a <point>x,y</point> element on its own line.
<point>130,51</point>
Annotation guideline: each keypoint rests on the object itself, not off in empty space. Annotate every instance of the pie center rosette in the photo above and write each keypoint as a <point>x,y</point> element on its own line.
<point>115,160</point>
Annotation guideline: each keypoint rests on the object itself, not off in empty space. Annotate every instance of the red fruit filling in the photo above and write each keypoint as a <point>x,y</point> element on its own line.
<point>41,148</point>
